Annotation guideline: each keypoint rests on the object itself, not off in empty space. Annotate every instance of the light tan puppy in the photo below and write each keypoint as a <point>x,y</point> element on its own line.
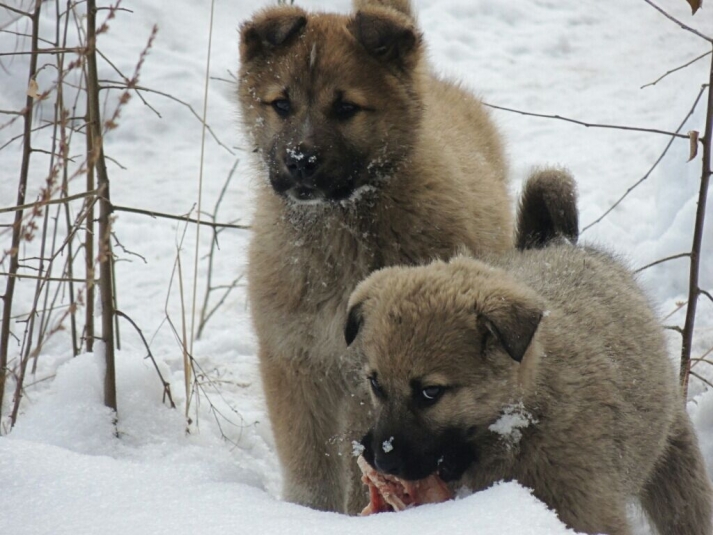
<point>366,160</point>
<point>545,366</point>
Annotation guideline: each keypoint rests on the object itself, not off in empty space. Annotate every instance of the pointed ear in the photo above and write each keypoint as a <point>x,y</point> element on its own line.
<point>388,36</point>
<point>354,321</point>
<point>269,30</point>
<point>514,323</point>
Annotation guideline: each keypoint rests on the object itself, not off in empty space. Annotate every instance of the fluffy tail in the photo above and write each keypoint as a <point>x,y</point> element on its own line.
<point>402,6</point>
<point>548,209</point>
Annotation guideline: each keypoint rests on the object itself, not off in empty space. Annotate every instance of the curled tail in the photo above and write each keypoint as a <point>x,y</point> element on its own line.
<point>547,210</point>
<point>402,6</point>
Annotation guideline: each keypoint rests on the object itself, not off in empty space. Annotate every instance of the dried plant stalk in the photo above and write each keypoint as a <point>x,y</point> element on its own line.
<point>96,158</point>
<point>693,288</point>
<point>17,226</point>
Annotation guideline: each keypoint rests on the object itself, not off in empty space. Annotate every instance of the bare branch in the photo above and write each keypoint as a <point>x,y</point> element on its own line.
<point>182,102</point>
<point>47,202</point>
<point>651,169</point>
<point>41,277</point>
<point>707,294</point>
<point>166,384</point>
<point>675,70</point>
<point>693,287</point>
<point>706,381</point>
<point>673,328</point>
<point>15,10</point>
<point>22,188</point>
<point>105,272</point>
<point>588,125</point>
<point>662,260</point>
<point>43,51</point>
<point>681,24</point>
<point>127,251</point>
<point>117,208</point>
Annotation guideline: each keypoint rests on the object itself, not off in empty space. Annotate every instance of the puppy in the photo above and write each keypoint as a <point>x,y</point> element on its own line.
<point>365,160</point>
<point>545,366</point>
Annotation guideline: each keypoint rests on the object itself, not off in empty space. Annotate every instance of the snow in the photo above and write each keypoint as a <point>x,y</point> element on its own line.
<point>514,418</point>
<point>63,468</point>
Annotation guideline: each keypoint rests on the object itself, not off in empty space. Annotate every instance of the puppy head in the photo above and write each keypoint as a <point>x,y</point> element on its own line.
<point>446,347</point>
<point>331,102</point>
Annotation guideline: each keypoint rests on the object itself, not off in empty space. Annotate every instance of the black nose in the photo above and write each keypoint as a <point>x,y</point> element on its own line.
<point>302,164</point>
<point>388,463</point>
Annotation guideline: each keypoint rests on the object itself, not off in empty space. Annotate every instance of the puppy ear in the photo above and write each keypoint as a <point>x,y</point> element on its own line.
<point>388,36</point>
<point>354,321</point>
<point>269,30</point>
<point>514,325</point>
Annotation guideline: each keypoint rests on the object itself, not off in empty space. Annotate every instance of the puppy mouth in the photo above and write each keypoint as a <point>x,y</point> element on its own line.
<point>305,195</point>
<point>308,195</point>
<point>449,459</point>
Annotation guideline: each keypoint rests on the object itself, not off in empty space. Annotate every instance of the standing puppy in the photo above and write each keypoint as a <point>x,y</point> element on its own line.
<point>367,160</point>
<point>544,366</point>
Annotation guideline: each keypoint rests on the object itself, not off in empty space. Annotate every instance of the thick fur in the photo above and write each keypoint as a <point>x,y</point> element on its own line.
<point>547,210</point>
<point>545,366</point>
<point>366,160</point>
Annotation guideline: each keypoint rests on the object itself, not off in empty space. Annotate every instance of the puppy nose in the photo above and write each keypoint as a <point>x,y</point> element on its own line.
<point>387,463</point>
<point>302,163</point>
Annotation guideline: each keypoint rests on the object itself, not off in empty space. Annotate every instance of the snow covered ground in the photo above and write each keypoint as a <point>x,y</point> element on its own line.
<point>63,471</point>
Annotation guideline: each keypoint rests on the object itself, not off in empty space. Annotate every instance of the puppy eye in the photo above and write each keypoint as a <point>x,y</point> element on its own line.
<point>282,106</point>
<point>375,386</point>
<point>345,110</point>
<point>432,393</point>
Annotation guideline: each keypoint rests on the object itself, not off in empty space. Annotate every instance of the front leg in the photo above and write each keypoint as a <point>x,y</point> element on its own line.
<point>304,400</point>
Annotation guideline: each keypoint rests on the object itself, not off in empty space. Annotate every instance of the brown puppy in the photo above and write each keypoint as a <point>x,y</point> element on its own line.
<point>367,160</point>
<point>545,366</point>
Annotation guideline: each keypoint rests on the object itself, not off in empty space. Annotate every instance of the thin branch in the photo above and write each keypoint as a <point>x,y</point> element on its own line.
<point>50,51</point>
<point>175,99</point>
<point>673,328</point>
<point>651,169</point>
<point>127,251</point>
<point>693,287</point>
<point>706,381</point>
<point>15,10</point>
<point>105,273</point>
<point>177,218</point>
<point>25,35</point>
<point>166,384</point>
<point>681,24</point>
<point>707,294</point>
<point>675,70</point>
<point>588,125</point>
<point>41,277</point>
<point>42,203</point>
<point>22,188</point>
<point>662,260</point>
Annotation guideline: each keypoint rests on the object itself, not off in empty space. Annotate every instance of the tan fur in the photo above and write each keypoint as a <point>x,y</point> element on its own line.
<point>606,418</point>
<point>439,185</point>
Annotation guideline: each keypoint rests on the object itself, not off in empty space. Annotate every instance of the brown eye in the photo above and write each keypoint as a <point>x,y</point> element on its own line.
<point>345,110</point>
<point>282,106</point>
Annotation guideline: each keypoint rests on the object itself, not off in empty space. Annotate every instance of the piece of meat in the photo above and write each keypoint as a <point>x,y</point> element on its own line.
<point>389,493</point>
